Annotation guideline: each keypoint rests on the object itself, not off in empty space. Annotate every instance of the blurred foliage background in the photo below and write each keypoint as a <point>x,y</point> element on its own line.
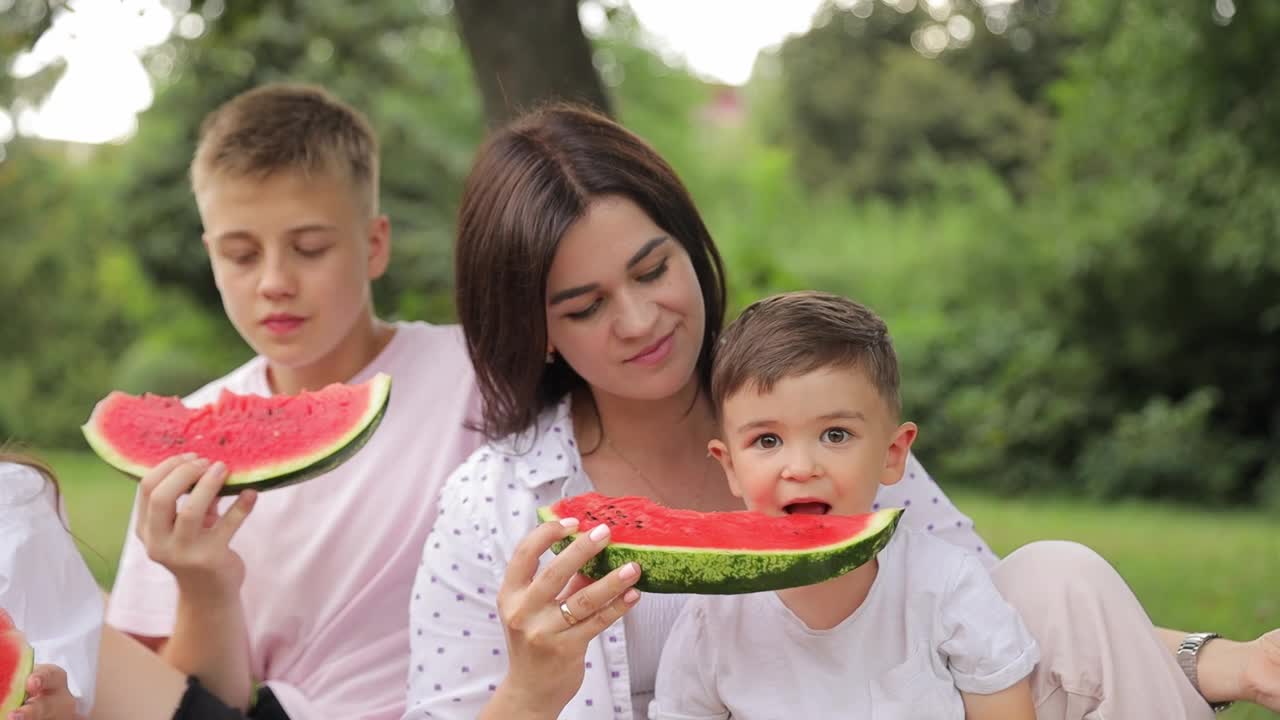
<point>1067,211</point>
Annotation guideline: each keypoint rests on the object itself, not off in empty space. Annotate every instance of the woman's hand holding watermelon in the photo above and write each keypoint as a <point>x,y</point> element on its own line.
<point>193,541</point>
<point>549,617</point>
<point>48,697</point>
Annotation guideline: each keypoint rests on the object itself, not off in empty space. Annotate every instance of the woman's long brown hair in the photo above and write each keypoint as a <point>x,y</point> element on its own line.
<point>529,183</point>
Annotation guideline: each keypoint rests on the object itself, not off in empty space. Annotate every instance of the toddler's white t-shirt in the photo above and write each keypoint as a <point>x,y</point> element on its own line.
<point>932,625</point>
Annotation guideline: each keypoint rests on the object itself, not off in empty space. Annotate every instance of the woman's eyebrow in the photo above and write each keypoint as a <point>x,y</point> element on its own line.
<point>644,251</point>
<point>573,292</point>
<point>640,255</point>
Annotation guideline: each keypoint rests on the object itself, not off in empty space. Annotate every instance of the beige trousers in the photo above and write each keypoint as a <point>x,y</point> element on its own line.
<point>1100,658</point>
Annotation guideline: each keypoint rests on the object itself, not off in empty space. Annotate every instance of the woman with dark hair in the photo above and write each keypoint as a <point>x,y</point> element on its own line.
<point>592,296</point>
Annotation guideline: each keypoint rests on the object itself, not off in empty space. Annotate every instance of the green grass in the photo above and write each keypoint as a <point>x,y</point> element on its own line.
<point>1192,570</point>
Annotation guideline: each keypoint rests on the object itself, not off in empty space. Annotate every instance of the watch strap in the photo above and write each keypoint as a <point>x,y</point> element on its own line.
<point>1188,656</point>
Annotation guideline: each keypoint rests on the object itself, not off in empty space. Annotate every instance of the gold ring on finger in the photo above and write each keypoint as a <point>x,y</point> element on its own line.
<point>568,614</point>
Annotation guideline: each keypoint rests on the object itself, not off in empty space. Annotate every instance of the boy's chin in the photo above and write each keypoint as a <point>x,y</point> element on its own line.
<point>288,357</point>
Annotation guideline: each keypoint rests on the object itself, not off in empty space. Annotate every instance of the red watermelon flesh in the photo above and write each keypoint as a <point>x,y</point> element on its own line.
<point>16,662</point>
<point>265,442</point>
<point>640,520</point>
<point>6,622</point>
<point>686,551</point>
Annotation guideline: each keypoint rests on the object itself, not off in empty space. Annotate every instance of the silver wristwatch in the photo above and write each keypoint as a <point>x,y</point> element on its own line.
<point>1188,655</point>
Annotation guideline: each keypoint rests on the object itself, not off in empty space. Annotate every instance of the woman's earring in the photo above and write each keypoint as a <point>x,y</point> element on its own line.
<point>551,356</point>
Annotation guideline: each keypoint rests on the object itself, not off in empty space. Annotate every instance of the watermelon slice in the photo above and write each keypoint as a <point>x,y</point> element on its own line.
<point>721,553</point>
<point>17,659</point>
<point>266,442</point>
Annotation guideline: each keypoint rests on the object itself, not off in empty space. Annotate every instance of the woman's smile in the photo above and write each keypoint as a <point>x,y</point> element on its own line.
<point>655,353</point>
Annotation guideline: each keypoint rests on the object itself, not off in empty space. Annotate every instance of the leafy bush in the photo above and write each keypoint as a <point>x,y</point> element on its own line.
<point>1169,450</point>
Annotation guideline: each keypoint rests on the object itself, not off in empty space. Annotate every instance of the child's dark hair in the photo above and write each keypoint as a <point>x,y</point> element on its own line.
<point>797,333</point>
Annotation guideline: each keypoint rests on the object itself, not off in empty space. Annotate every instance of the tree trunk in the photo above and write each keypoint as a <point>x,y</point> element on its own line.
<point>526,52</point>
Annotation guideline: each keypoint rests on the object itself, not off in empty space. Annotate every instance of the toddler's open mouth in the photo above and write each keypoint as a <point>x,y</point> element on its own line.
<point>807,507</point>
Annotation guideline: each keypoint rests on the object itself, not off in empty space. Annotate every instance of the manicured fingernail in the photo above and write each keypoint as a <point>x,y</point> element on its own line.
<point>569,522</point>
<point>189,456</point>
<point>599,532</point>
<point>628,571</point>
<point>631,596</point>
<point>218,469</point>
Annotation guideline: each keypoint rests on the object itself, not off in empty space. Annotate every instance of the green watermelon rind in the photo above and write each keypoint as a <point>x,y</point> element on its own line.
<point>16,693</point>
<point>269,477</point>
<point>709,571</point>
<point>320,466</point>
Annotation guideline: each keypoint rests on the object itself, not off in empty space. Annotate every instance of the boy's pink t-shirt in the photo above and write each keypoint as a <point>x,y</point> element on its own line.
<point>331,561</point>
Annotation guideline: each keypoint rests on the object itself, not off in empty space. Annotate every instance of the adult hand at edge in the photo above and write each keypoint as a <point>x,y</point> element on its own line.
<point>1261,681</point>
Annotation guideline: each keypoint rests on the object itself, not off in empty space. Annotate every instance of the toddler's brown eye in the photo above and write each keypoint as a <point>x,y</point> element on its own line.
<point>835,436</point>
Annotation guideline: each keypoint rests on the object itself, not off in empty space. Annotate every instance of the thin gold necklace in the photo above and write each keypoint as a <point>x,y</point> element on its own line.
<point>653,488</point>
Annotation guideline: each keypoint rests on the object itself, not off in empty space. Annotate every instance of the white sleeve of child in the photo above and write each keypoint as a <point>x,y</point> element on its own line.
<point>685,688</point>
<point>53,599</point>
<point>987,646</point>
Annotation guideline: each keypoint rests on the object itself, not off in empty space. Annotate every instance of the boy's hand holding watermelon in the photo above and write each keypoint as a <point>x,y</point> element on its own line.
<point>192,540</point>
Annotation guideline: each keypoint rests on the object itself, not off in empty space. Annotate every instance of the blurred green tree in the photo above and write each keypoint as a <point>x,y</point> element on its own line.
<point>1164,187</point>
<point>1120,332</point>
<point>886,98</point>
<point>75,298</point>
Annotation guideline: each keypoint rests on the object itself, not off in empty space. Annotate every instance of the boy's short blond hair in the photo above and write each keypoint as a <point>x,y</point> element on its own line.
<point>802,332</point>
<point>288,127</point>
